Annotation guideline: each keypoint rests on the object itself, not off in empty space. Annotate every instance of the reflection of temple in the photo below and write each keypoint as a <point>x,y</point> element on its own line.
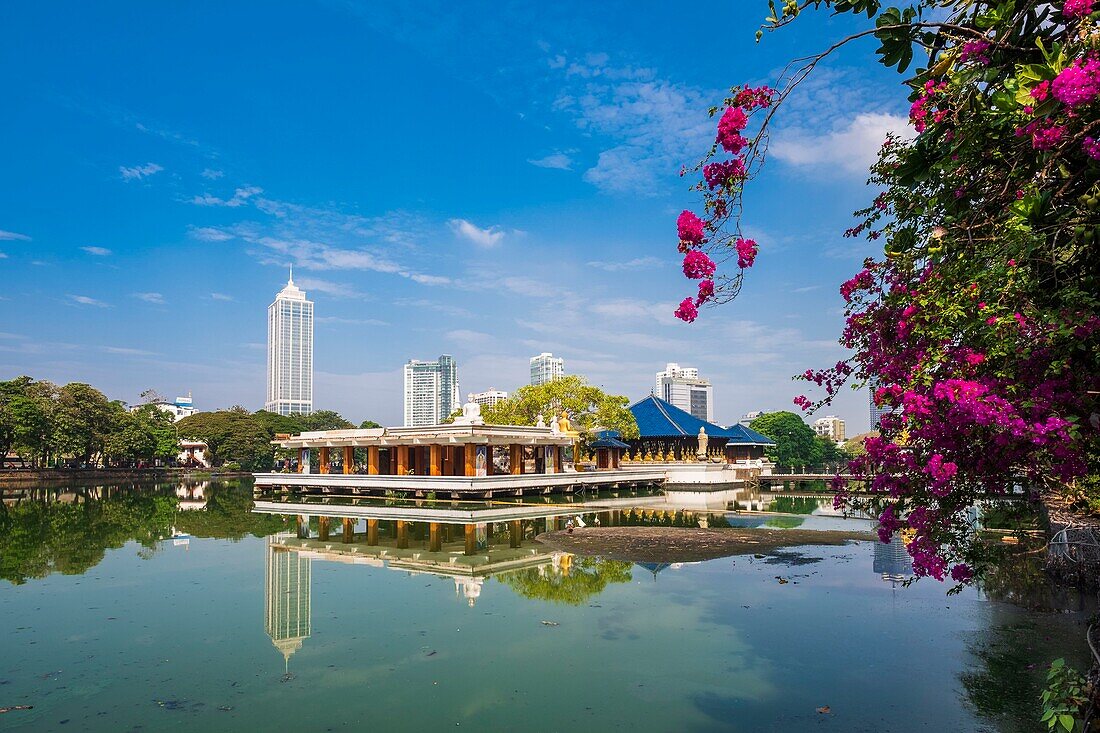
<point>892,561</point>
<point>191,496</point>
<point>287,597</point>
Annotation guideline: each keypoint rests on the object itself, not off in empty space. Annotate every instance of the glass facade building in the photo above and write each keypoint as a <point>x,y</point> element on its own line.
<point>290,352</point>
<point>546,368</point>
<point>431,391</point>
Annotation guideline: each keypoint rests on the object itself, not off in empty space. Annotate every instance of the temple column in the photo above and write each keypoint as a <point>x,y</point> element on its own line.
<point>558,468</point>
<point>489,459</point>
<point>372,460</point>
<point>471,459</point>
<point>402,535</point>
<point>515,459</point>
<point>435,539</point>
<point>372,531</point>
<point>349,530</point>
<point>436,460</point>
<point>515,533</point>
<point>471,540</point>
<point>349,458</point>
<point>322,529</point>
<point>322,460</point>
<point>488,534</point>
<point>402,452</point>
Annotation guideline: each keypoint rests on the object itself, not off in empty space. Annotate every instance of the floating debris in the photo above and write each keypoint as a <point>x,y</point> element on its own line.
<point>10,708</point>
<point>550,623</point>
<point>824,710</point>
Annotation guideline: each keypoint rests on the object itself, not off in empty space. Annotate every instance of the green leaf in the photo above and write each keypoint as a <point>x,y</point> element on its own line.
<point>1067,722</point>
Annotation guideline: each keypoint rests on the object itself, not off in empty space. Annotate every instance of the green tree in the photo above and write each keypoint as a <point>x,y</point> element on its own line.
<point>587,577</point>
<point>796,445</point>
<point>231,437</point>
<point>368,424</point>
<point>83,420</point>
<point>276,424</point>
<point>33,413</point>
<point>588,406</point>
<point>129,439</point>
<point>325,420</point>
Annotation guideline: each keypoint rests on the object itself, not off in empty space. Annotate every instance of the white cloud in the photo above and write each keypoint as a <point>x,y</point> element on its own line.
<point>470,338</point>
<point>852,146</point>
<point>638,263</point>
<point>155,298</point>
<point>97,251</point>
<point>558,161</point>
<point>85,300</point>
<point>123,351</point>
<point>335,289</point>
<point>239,198</point>
<point>429,279</point>
<point>14,236</point>
<point>485,238</point>
<point>139,172</point>
<point>220,296</point>
<point>212,174</point>
<point>210,234</point>
<point>3,256</point>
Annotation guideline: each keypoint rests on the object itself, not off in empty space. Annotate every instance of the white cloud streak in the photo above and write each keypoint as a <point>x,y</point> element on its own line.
<point>97,251</point>
<point>139,172</point>
<point>484,238</point>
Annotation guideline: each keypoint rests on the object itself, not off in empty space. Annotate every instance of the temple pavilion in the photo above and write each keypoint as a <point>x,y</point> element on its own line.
<point>667,433</point>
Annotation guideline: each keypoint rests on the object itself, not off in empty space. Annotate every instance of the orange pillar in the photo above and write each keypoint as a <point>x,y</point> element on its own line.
<point>349,530</point>
<point>402,535</point>
<point>322,529</point>
<point>301,459</point>
<point>557,459</point>
<point>402,460</point>
<point>471,459</point>
<point>515,459</point>
<point>436,460</point>
<point>372,460</point>
<point>471,539</point>
<point>323,461</point>
<point>349,458</point>
<point>372,531</point>
<point>435,543</point>
<point>489,460</point>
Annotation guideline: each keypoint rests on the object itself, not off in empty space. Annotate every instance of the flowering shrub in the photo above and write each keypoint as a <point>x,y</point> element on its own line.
<point>980,324</point>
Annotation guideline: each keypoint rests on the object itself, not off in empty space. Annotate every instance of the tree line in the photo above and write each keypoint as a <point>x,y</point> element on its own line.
<point>76,425</point>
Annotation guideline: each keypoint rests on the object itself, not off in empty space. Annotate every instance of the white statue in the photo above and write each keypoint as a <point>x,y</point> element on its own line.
<point>471,413</point>
<point>541,423</point>
<point>703,440</point>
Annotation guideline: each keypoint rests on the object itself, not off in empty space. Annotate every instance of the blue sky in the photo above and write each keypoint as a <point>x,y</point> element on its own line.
<point>490,181</point>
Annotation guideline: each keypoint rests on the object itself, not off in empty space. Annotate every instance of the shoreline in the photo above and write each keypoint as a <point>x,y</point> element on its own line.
<point>19,478</point>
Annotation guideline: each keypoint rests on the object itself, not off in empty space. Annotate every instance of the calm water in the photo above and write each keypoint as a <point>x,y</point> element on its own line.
<point>109,628</point>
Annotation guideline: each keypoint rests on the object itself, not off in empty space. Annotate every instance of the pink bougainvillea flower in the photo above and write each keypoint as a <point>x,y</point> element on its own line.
<point>746,253</point>
<point>730,126</point>
<point>690,228</point>
<point>687,311</point>
<point>706,292</point>
<point>697,265</point>
<point>1078,83</point>
<point>1077,8</point>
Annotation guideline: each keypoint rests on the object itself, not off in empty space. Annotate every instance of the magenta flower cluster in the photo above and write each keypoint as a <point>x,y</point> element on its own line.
<point>1077,8</point>
<point>730,126</point>
<point>746,253</point>
<point>690,228</point>
<point>697,265</point>
<point>1078,83</point>
<point>975,51</point>
<point>687,311</point>
<point>725,174</point>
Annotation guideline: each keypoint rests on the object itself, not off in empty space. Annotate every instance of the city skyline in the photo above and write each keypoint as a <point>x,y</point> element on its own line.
<point>179,217</point>
<point>290,352</point>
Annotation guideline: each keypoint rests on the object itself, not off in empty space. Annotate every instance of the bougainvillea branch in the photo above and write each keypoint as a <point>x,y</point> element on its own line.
<point>978,328</point>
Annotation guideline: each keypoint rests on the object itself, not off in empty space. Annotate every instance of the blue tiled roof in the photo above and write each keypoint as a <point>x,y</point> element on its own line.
<point>608,443</point>
<point>659,419</point>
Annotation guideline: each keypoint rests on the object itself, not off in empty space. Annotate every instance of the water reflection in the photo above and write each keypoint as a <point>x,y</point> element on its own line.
<point>892,561</point>
<point>287,598</point>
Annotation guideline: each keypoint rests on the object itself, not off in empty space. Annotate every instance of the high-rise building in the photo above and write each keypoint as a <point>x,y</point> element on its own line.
<point>748,417</point>
<point>290,352</point>
<point>831,427</point>
<point>684,388</point>
<point>489,397</point>
<point>287,598</point>
<point>546,368</point>
<point>431,391</point>
<point>876,411</point>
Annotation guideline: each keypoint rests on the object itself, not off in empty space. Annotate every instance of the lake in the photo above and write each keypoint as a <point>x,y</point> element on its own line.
<point>124,612</point>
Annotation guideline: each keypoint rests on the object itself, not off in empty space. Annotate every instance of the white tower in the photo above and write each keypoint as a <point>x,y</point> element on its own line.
<point>290,352</point>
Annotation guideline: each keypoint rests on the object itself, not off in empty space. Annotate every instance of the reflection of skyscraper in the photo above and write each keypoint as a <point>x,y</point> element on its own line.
<point>892,561</point>
<point>287,597</point>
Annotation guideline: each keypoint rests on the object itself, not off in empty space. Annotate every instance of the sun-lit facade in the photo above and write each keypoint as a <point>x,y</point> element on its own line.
<point>290,352</point>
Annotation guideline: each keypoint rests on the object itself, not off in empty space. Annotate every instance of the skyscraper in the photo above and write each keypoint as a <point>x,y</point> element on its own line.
<point>684,388</point>
<point>546,368</point>
<point>831,427</point>
<point>290,352</point>
<point>286,598</point>
<point>876,411</point>
<point>431,391</point>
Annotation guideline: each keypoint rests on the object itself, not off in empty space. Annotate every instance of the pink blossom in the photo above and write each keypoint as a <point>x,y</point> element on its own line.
<point>751,98</point>
<point>690,228</point>
<point>1091,146</point>
<point>975,50</point>
<point>729,129</point>
<point>687,311</point>
<point>1077,8</point>
<point>698,265</point>
<point>1040,91</point>
<point>720,175</point>
<point>962,573</point>
<point>1078,83</point>
<point>1046,137</point>
<point>706,292</point>
<point>746,253</point>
